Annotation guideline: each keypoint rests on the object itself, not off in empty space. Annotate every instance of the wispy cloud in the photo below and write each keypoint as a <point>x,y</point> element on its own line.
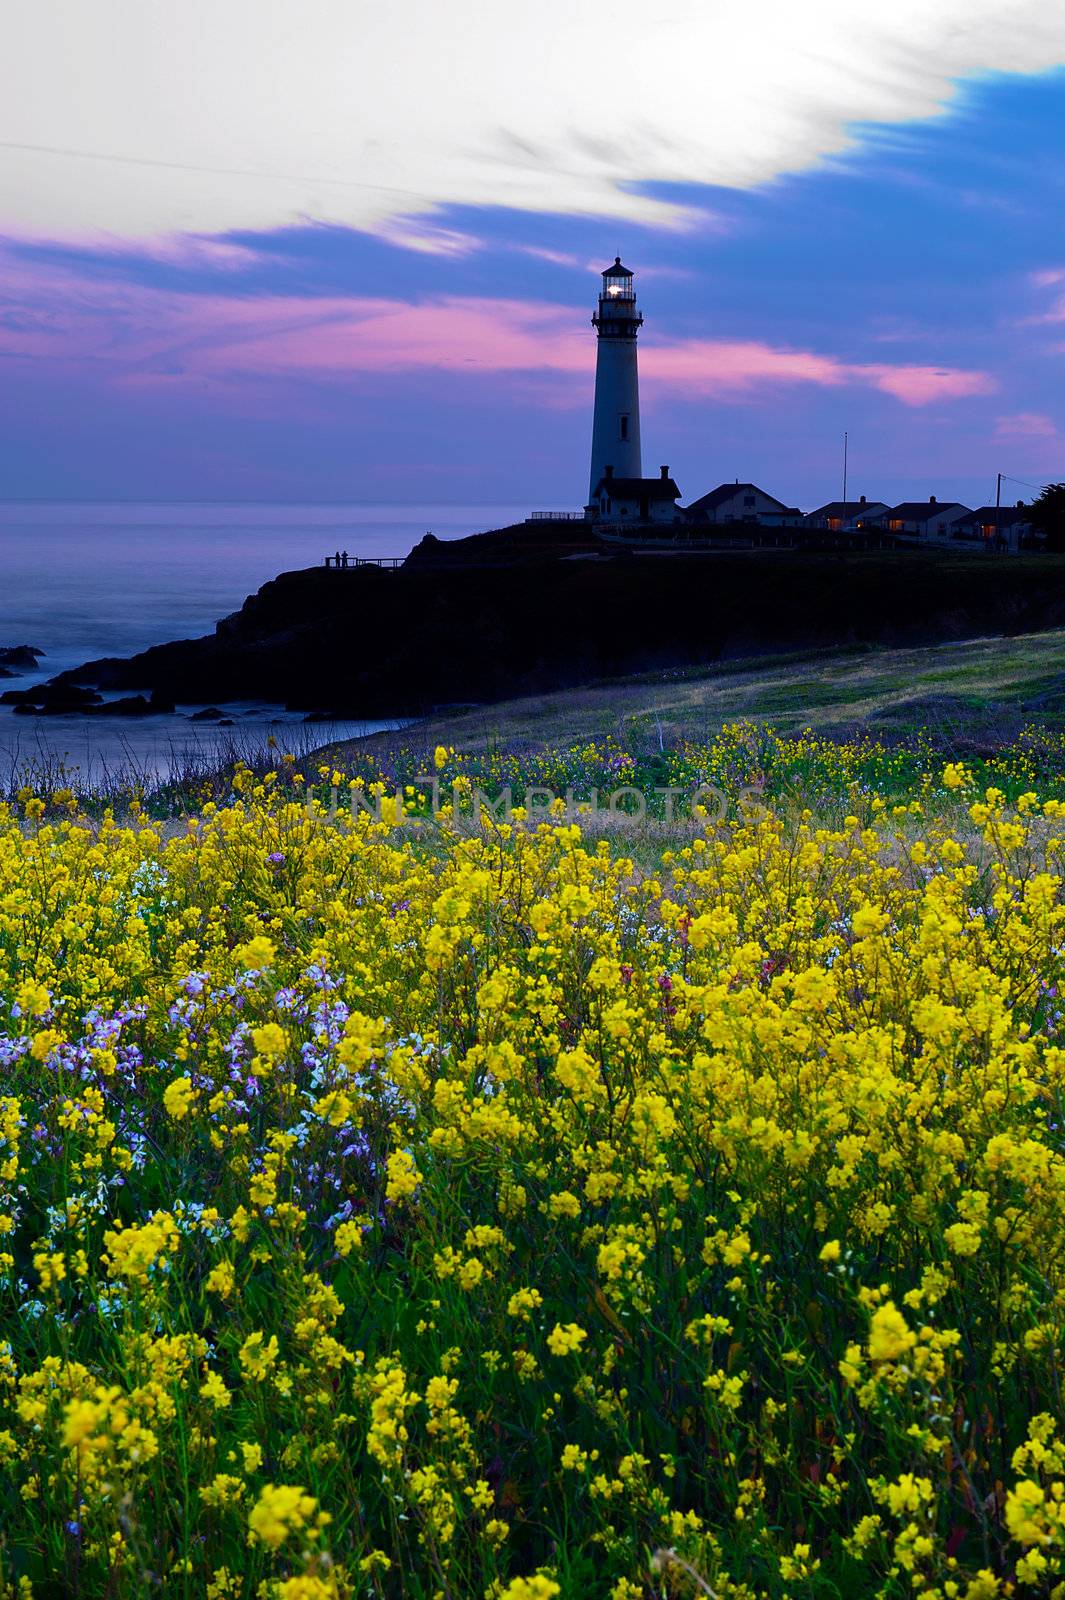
<point>554,258</point>
<point>1026,425</point>
<point>146,336</point>
<point>206,118</point>
<point>427,238</point>
<point>1052,279</point>
<point>916,385</point>
<point>182,250</point>
<point>725,367</point>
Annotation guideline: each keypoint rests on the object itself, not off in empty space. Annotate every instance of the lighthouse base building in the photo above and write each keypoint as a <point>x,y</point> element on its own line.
<point>635,500</point>
<point>617,489</point>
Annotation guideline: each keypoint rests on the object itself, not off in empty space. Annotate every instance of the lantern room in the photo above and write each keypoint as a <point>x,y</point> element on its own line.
<point>617,282</point>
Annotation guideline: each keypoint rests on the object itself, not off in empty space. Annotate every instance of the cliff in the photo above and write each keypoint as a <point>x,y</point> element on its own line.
<point>369,642</point>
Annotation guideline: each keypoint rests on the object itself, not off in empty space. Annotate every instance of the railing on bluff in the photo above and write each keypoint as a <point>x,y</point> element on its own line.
<point>342,559</point>
<point>555,516</point>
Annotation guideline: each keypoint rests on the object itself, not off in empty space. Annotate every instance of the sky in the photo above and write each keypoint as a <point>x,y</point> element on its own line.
<point>349,249</point>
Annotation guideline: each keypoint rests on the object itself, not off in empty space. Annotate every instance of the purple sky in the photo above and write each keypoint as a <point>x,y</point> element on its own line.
<point>430,340</point>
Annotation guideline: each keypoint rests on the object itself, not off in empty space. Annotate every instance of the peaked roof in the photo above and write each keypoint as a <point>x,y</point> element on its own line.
<point>848,508</point>
<point>924,510</point>
<point>1006,515</point>
<point>639,488</point>
<point>728,491</point>
<point>611,272</point>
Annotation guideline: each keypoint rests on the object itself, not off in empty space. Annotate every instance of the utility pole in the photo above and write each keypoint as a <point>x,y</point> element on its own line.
<point>844,474</point>
<point>998,511</point>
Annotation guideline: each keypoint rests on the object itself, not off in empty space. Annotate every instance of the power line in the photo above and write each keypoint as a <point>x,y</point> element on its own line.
<point>215,172</point>
<point>1006,478</point>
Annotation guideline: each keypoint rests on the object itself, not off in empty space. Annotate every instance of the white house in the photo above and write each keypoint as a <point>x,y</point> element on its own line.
<point>616,499</point>
<point>927,519</point>
<point>736,502</point>
<point>1001,525</point>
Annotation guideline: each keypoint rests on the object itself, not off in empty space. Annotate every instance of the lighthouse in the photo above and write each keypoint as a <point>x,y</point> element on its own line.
<point>616,428</point>
<point>618,493</point>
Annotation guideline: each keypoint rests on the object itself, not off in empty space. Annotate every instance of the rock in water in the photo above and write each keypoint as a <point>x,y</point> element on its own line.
<point>16,658</point>
<point>51,699</point>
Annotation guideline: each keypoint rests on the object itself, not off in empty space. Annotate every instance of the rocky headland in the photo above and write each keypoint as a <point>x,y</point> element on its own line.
<point>523,611</point>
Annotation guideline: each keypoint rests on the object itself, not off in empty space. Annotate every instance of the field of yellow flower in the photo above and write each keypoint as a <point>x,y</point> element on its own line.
<point>440,1210</point>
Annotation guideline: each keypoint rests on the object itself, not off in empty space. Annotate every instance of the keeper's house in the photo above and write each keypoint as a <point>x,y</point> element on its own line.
<point>636,499</point>
<point>732,503</point>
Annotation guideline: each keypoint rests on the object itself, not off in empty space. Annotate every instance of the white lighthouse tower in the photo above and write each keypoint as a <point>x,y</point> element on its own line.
<point>616,429</point>
<point>619,496</point>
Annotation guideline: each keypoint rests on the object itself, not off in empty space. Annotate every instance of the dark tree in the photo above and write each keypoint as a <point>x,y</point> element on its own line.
<point>1047,515</point>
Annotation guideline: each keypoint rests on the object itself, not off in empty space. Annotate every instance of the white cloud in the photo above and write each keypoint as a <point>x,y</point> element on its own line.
<point>206,115</point>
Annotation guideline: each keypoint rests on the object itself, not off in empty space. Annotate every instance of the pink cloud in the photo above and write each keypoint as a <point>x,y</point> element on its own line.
<point>720,366</point>
<point>463,334</point>
<point>1047,278</point>
<point>922,386</point>
<point>1026,424</point>
<point>146,336</point>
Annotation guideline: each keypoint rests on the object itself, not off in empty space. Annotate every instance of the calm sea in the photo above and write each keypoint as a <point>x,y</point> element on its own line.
<point>81,581</point>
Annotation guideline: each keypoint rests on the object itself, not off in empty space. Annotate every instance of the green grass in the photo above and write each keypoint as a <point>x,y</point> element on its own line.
<point>980,690</point>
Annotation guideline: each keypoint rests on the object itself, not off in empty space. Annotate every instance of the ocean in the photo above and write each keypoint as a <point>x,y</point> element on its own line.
<point>82,581</point>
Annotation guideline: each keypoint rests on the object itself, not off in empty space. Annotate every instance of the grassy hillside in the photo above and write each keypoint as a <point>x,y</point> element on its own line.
<point>977,693</point>
<point>372,643</point>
